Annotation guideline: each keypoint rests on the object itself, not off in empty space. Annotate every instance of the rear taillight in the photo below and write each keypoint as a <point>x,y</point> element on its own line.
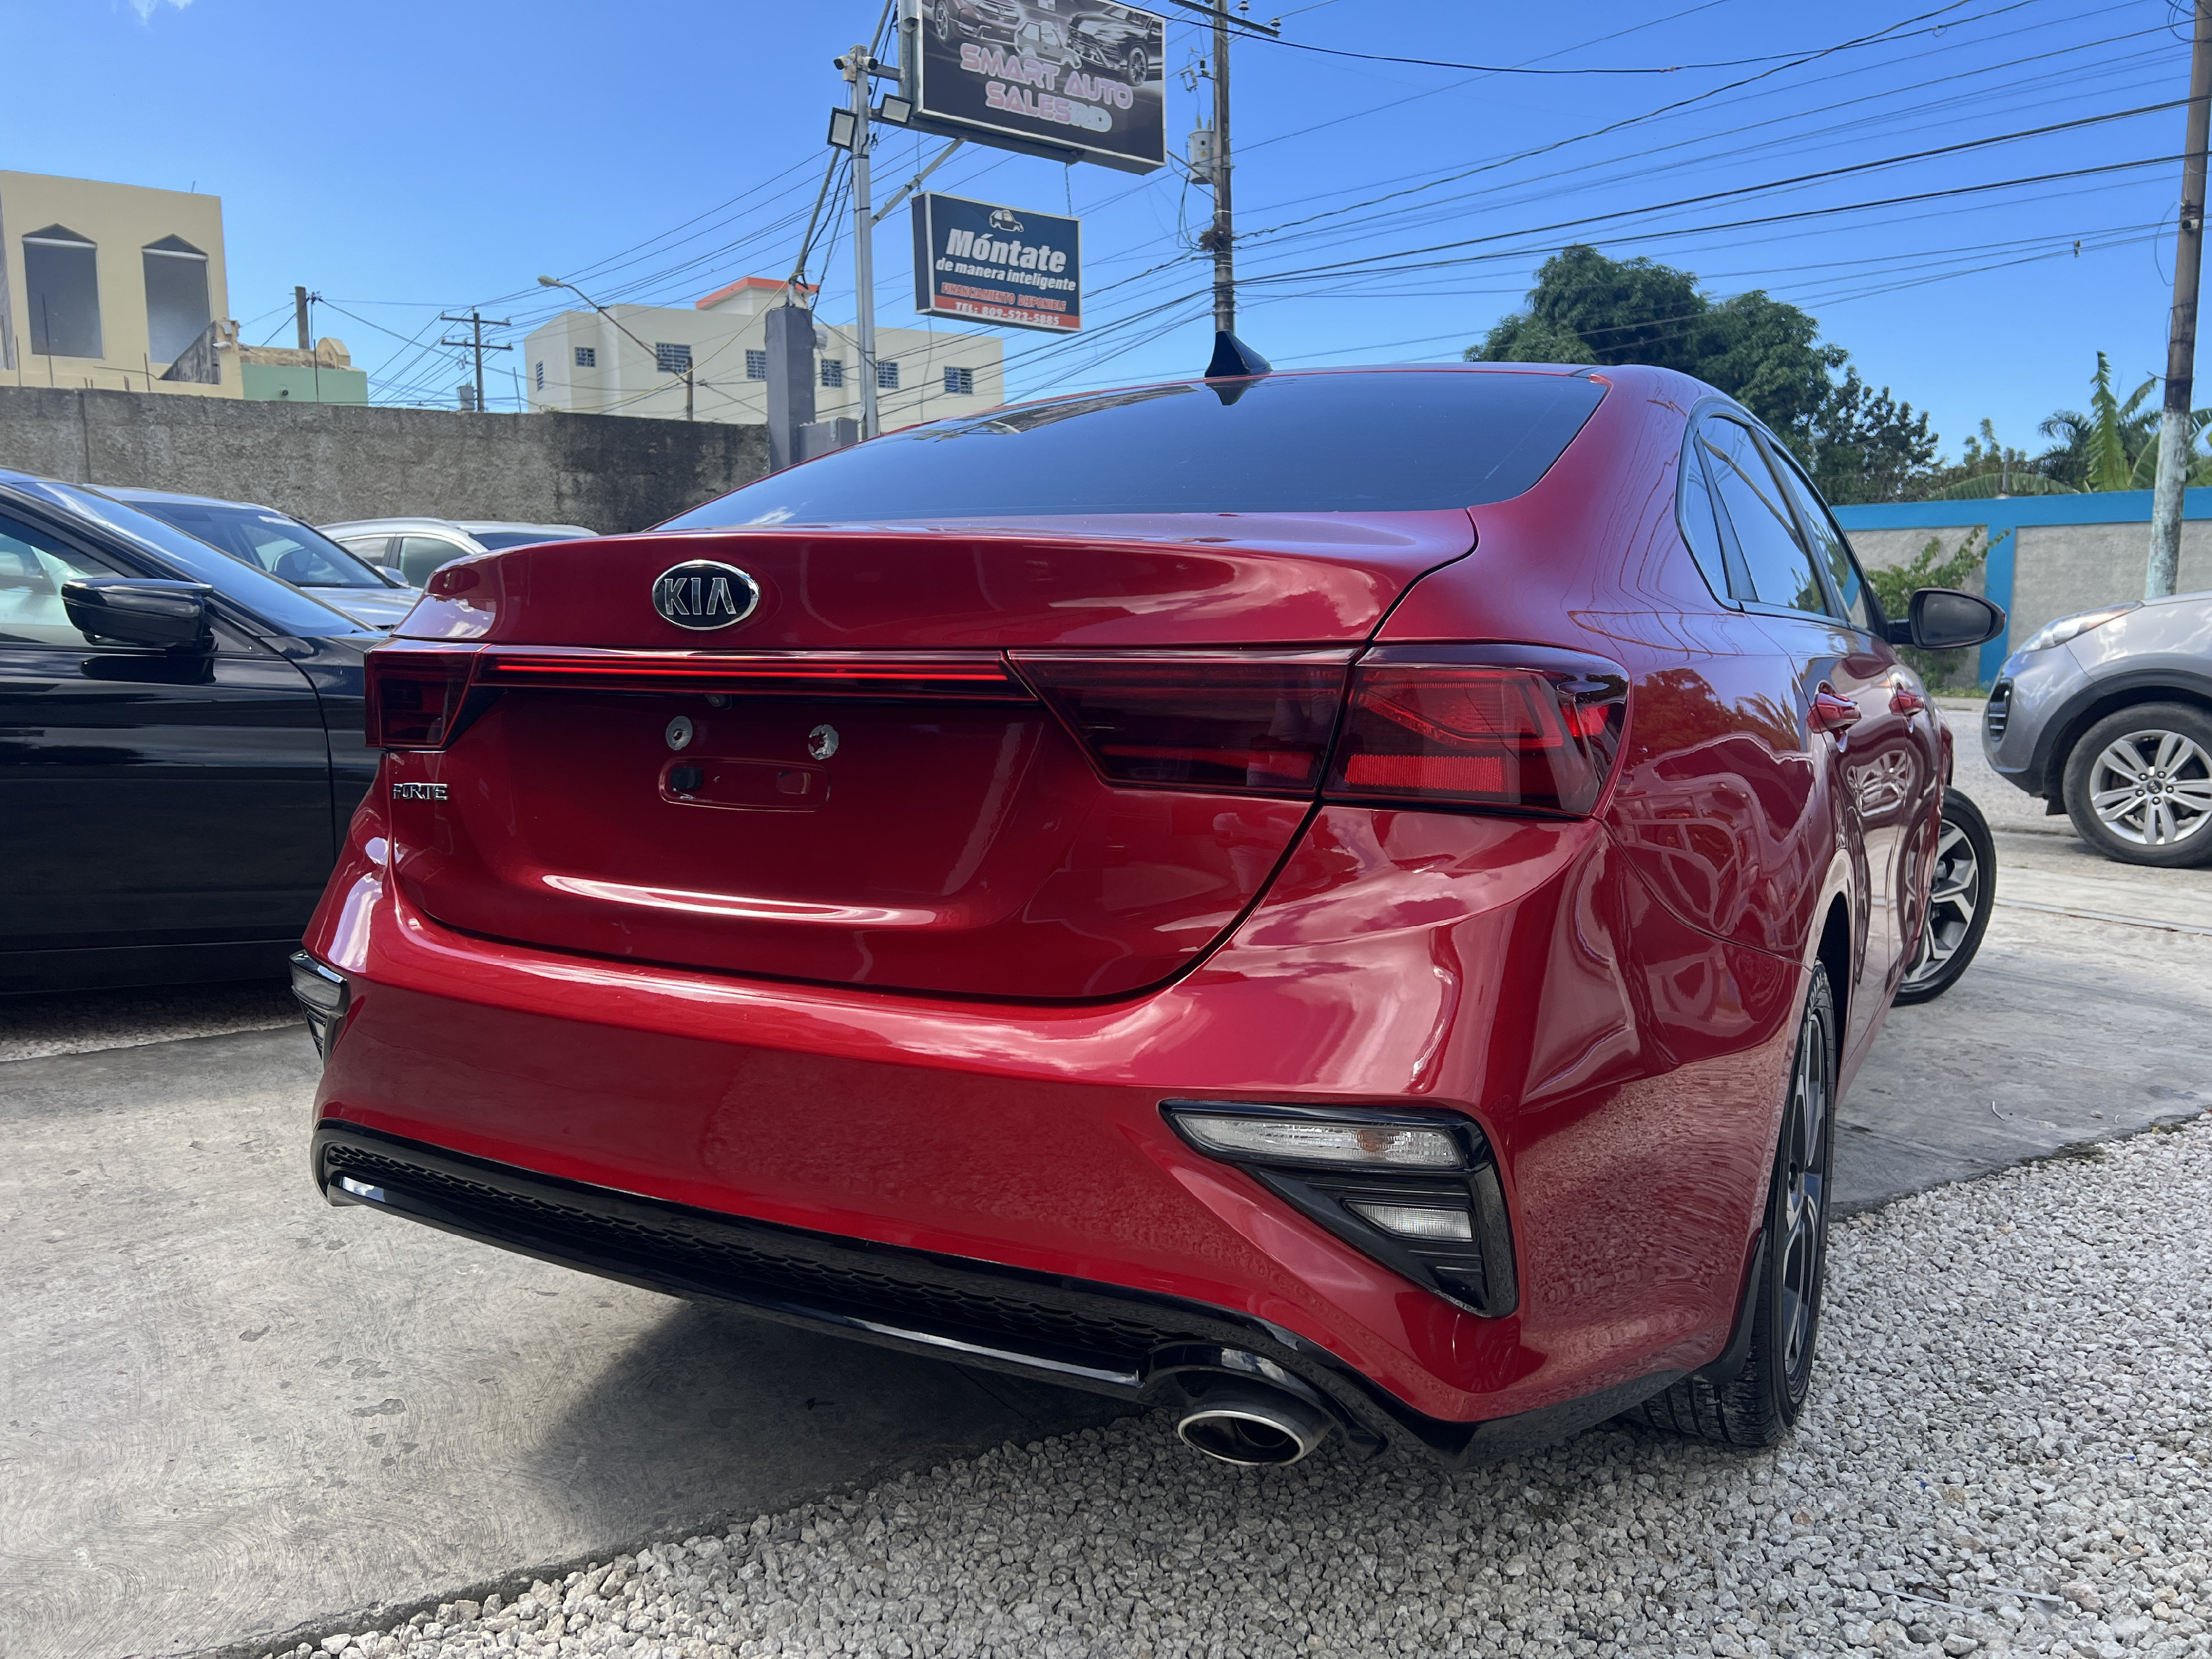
<point>1247,721</point>
<point>413,698</point>
<point>459,602</point>
<point>1509,728</point>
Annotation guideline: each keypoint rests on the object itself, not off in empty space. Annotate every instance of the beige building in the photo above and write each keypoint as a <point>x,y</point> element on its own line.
<point>109,285</point>
<point>582,362</point>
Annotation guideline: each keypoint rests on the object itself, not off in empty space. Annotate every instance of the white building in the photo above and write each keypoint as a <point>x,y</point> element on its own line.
<point>582,363</point>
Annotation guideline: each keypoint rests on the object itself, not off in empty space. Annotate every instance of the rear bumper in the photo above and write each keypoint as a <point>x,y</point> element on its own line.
<point>1625,1070</point>
<point>1103,1338</point>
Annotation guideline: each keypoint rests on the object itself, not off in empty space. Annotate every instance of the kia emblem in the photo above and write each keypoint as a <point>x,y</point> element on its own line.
<point>701,594</point>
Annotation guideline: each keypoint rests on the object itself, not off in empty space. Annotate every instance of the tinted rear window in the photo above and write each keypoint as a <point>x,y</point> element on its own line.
<point>496,541</point>
<point>1285,443</point>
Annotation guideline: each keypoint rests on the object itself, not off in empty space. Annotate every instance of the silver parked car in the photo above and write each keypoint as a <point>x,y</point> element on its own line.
<point>2107,715</point>
<point>416,547</point>
<point>284,547</point>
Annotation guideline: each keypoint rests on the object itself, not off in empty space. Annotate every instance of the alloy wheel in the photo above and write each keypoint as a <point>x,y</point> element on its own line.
<point>1804,1230</point>
<point>2153,787</point>
<point>1955,899</point>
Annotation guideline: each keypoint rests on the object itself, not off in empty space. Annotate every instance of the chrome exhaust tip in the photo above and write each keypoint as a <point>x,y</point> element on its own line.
<point>1253,1427</point>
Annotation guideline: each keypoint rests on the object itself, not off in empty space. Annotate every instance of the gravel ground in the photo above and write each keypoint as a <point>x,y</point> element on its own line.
<point>2009,1453</point>
<point>78,1022</point>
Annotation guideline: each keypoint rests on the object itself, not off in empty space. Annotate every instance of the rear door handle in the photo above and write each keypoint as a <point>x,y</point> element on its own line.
<point>1905,701</point>
<point>1832,713</point>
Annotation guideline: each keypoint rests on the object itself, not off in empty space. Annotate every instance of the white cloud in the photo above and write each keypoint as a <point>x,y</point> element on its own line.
<point>146,9</point>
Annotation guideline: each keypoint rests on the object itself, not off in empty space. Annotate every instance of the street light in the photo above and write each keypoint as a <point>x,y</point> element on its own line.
<point>555,282</point>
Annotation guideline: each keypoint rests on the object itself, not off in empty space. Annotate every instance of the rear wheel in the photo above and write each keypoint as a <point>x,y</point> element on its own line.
<point>1959,897</point>
<point>1761,1402</point>
<point>2138,785</point>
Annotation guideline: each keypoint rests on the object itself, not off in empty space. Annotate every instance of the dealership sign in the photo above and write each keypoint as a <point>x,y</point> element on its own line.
<point>996,265</point>
<point>1069,80</point>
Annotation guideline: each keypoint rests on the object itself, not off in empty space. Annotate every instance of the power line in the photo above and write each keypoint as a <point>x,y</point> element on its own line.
<point>1882,37</point>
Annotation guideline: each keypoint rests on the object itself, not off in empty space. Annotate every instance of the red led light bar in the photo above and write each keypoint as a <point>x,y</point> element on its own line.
<point>975,675</point>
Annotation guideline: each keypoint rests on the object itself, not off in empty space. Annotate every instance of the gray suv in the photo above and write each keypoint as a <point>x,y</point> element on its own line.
<point>2107,715</point>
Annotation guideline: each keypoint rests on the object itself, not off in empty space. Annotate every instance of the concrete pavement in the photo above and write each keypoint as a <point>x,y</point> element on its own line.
<point>230,1410</point>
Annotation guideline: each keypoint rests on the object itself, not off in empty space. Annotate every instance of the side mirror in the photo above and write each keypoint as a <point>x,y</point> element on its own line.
<point>139,611</point>
<point>398,576</point>
<point>1944,619</point>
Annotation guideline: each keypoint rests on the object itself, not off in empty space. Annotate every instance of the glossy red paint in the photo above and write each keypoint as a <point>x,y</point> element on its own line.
<point>1176,579</point>
<point>1390,961</point>
<point>947,1020</point>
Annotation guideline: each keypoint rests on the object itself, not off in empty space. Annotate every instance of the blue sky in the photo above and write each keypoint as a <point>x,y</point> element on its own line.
<point>406,157</point>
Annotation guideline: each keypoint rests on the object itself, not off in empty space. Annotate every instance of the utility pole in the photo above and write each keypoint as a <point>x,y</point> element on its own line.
<point>859,68</point>
<point>477,323</point>
<point>300,316</point>
<point>2174,434</point>
<point>1222,237</point>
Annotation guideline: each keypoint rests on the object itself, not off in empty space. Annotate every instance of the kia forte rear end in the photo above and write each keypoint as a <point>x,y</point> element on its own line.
<point>1118,891</point>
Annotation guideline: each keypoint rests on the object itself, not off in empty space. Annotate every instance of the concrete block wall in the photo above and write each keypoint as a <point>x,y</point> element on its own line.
<point>2063,554</point>
<point>2058,569</point>
<point>327,462</point>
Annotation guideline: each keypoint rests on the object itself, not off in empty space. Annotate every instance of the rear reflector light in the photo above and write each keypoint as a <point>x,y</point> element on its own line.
<point>1280,1138</point>
<point>980,675</point>
<point>413,698</point>
<point>1417,1220</point>
<point>1540,735</point>
<point>1216,720</point>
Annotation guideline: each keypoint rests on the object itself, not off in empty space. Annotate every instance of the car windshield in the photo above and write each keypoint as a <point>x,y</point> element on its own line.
<point>495,540</point>
<point>1282,443</point>
<point>276,602</point>
<point>285,547</point>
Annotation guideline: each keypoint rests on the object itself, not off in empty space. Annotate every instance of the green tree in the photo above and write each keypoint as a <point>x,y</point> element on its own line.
<point>1868,446</point>
<point>1588,308</point>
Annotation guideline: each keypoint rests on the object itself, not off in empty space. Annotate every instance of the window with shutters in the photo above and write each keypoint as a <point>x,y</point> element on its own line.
<point>887,376</point>
<point>671,359</point>
<point>960,382</point>
<point>756,365</point>
<point>588,356</point>
<point>833,371</point>
<point>176,297</point>
<point>61,284</point>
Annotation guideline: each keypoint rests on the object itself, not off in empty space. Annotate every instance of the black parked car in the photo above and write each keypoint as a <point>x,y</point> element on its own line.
<point>179,748</point>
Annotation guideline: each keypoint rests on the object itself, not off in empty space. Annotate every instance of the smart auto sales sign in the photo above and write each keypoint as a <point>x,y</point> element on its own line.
<point>1081,79</point>
<point>997,264</point>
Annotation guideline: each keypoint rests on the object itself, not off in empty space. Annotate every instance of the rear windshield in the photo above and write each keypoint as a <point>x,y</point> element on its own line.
<point>283,547</point>
<point>1284,443</point>
<point>496,541</point>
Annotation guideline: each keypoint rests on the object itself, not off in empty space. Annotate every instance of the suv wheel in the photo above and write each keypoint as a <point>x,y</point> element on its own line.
<point>1959,896</point>
<point>2138,785</point>
<point>1761,1403</point>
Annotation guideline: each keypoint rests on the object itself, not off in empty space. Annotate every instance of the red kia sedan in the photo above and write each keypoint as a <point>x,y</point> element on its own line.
<point>1337,902</point>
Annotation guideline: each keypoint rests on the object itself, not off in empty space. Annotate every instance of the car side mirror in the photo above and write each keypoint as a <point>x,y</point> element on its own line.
<point>1944,619</point>
<point>139,611</point>
<point>398,576</point>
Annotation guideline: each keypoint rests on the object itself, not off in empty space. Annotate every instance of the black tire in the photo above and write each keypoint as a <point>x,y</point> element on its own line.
<point>1761,1402</point>
<point>1960,895</point>
<point>1137,67</point>
<point>940,20</point>
<point>2166,822</point>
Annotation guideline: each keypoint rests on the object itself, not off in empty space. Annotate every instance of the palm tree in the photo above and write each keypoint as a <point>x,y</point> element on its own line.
<point>2115,445</point>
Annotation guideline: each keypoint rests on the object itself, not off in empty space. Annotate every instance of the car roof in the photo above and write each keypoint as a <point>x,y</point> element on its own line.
<point>134,493</point>
<point>389,526</point>
<point>474,525</point>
